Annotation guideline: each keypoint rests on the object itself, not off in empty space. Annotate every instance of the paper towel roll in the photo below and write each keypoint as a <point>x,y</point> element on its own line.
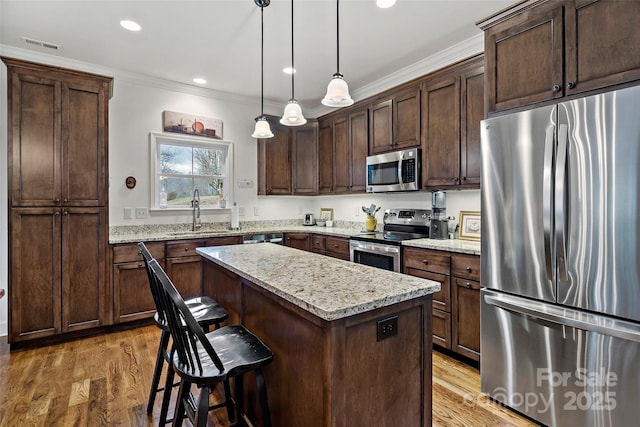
<point>235,217</point>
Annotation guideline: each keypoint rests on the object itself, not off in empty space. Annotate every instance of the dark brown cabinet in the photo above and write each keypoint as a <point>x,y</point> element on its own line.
<point>571,46</point>
<point>358,144</point>
<point>58,225</point>
<point>325,157</point>
<point>453,106</point>
<point>132,298</point>
<point>183,266</point>
<point>300,241</point>
<point>395,121</point>
<point>341,155</point>
<point>288,162</point>
<point>456,307</point>
<point>333,246</point>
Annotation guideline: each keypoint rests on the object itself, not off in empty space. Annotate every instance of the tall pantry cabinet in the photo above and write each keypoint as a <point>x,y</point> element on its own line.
<point>58,191</point>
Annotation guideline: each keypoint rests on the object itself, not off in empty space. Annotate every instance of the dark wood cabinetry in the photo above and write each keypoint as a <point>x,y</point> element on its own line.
<point>571,46</point>
<point>183,266</point>
<point>333,246</point>
<point>304,151</point>
<point>325,157</point>
<point>452,108</point>
<point>395,121</point>
<point>300,241</point>
<point>58,225</point>
<point>456,307</point>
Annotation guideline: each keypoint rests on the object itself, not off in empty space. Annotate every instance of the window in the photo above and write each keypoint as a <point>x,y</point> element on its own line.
<point>181,164</point>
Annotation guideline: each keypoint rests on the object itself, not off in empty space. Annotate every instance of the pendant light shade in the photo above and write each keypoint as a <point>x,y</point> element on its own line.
<point>262,129</point>
<point>292,111</point>
<point>337,90</point>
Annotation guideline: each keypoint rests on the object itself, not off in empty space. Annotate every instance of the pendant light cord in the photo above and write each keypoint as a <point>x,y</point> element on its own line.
<point>262,61</point>
<point>293,70</point>
<point>338,36</point>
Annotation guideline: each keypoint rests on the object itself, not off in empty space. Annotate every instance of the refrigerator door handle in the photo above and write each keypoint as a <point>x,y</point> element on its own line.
<point>560,202</point>
<point>547,200</point>
<point>567,317</point>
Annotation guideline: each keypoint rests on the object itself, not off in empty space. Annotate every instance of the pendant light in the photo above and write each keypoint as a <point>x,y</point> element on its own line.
<point>292,111</point>
<point>338,90</point>
<point>262,129</point>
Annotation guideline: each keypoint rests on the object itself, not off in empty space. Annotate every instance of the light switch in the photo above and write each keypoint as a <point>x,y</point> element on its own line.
<point>128,213</point>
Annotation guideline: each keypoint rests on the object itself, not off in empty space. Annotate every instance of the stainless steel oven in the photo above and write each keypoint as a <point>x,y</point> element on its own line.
<point>374,254</point>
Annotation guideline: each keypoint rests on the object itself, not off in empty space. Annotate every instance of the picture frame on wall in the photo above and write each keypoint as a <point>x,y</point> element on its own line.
<point>326,214</point>
<point>470,225</point>
<point>191,124</point>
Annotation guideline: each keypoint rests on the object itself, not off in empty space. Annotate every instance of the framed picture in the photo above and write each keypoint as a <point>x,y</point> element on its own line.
<point>191,124</point>
<point>326,214</point>
<point>469,225</point>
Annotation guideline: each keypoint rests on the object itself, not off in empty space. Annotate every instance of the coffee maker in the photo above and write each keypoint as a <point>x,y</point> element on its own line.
<point>439,224</point>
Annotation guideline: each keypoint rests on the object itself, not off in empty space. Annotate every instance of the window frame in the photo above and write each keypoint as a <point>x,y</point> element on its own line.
<point>156,139</point>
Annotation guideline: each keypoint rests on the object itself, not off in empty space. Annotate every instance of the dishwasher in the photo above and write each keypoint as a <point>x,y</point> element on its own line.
<point>276,238</point>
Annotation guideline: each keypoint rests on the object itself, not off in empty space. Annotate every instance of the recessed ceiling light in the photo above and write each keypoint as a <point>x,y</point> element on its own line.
<point>199,80</point>
<point>130,25</point>
<point>383,4</point>
<point>288,70</point>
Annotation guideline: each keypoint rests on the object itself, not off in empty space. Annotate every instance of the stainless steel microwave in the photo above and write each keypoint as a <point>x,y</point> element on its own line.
<point>394,171</point>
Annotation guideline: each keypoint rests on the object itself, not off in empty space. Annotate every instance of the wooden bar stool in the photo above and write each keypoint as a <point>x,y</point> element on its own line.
<point>206,360</point>
<point>207,313</point>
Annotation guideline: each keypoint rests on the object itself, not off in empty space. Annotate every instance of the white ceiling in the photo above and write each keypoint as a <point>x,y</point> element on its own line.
<point>219,40</point>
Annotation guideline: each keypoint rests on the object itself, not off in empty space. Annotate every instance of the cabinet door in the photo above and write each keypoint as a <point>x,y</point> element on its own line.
<point>84,142</point>
<point>84,268</point>
<point>304,150</point>
<point>524,57</point>
<point>325,157</point>
<point>298,240</point>
<point>341,156</point>
<point>186,275</point>
<point>131,292</point>
<point>441,121</point>
<point>337,247</point>
<point>441,328</point>
<point>466,318</point>
<point>34,142</point>
<point>278,162</point>
<point>359,143</point>
<point>602,44</point>
<point>406,119</point>
<point>472,102</point>
<point>381,127</point>
<point>318,244</point>
<point>34,273</point>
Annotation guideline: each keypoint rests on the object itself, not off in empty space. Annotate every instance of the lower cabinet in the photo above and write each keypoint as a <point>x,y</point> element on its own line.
<point>456,307</point>
<point>183,266</point>
<point>58,271</point>
<point>300,241</point>
<point>336,247</point>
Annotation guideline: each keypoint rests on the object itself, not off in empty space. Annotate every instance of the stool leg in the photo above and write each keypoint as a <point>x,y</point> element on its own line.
<point>262,395</point>
<point>166,396</point>
<point>238,381</point>
<point>202,412</point>
<point>183,394</point>
<point>229,401</point>
<point>157,371</point>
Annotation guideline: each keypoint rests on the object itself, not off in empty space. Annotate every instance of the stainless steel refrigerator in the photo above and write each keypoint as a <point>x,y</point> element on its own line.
<point>560,312</point>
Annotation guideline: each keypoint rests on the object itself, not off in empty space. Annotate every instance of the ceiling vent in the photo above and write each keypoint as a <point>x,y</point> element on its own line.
<point>48,45</point>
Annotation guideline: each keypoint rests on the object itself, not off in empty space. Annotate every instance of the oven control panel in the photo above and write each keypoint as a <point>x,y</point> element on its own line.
<point>414,217</point>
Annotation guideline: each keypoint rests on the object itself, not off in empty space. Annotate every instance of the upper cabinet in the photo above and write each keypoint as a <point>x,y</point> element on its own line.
<point>571,46</point>
<point>452,108</point>
<point>395,121</point>
<point>288,162</point>
<point>57,136</point>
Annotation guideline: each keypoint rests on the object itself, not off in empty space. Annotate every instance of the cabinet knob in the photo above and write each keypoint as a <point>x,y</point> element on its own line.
<point>469,269</point>
<point>139,264</point>
<point>56,213</point>
<point>467,285</point>
<point>186,249</point>
<point>464,178</point>
<point>571,85</point>
<point>57,201</point>
<point>555,88</point>
<point>425,262</point>
<point>65,213</point>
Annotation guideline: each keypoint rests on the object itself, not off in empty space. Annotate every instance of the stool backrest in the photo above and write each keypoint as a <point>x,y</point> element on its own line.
<point>188,336</point>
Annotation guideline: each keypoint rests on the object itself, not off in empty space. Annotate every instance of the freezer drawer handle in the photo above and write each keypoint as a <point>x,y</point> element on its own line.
<point>567,317</point>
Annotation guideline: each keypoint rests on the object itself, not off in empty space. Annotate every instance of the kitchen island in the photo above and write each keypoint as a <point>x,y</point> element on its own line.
<point>352,343</point>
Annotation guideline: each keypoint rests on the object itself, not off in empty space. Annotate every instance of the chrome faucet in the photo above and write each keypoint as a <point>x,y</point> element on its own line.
<point>195,205</point>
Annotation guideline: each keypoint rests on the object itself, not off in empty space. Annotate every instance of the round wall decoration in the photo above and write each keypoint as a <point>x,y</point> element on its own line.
<point>130,182</point>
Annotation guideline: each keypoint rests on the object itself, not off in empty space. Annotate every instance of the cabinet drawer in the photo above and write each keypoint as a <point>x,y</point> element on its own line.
<point>467,267</point>
<point>421,259</point>
<point>130,253</point>
<point>442,298</point>
<point>184,248</point>
<point>223,241</point>
<point>338,247</point>
<point>441,322</point>
<point>318,243</point>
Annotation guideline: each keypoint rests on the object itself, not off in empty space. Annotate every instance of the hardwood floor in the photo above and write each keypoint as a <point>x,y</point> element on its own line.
<point>104,381</point>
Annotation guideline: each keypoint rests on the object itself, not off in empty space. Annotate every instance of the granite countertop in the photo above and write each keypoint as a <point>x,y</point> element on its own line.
<point>149,233</point>
<point>326,287</point>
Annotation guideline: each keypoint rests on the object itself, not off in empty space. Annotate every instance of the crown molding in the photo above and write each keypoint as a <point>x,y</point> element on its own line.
<point>463,50</point>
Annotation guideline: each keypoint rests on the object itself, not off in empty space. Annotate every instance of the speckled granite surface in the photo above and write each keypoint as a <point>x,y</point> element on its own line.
<point>149,233</point>
<point>326,287</point>
<point>460,246</point>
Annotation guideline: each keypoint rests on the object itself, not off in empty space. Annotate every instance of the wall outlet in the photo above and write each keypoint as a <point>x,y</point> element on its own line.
<point>387,327</point>
<point>128,213</point>
<point>142,213</point>
<point>256,211</point>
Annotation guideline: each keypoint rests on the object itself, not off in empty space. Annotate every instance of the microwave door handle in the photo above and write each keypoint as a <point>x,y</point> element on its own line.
<point>400,166</point>
<point>561,202</point>
<point>547,200</point>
